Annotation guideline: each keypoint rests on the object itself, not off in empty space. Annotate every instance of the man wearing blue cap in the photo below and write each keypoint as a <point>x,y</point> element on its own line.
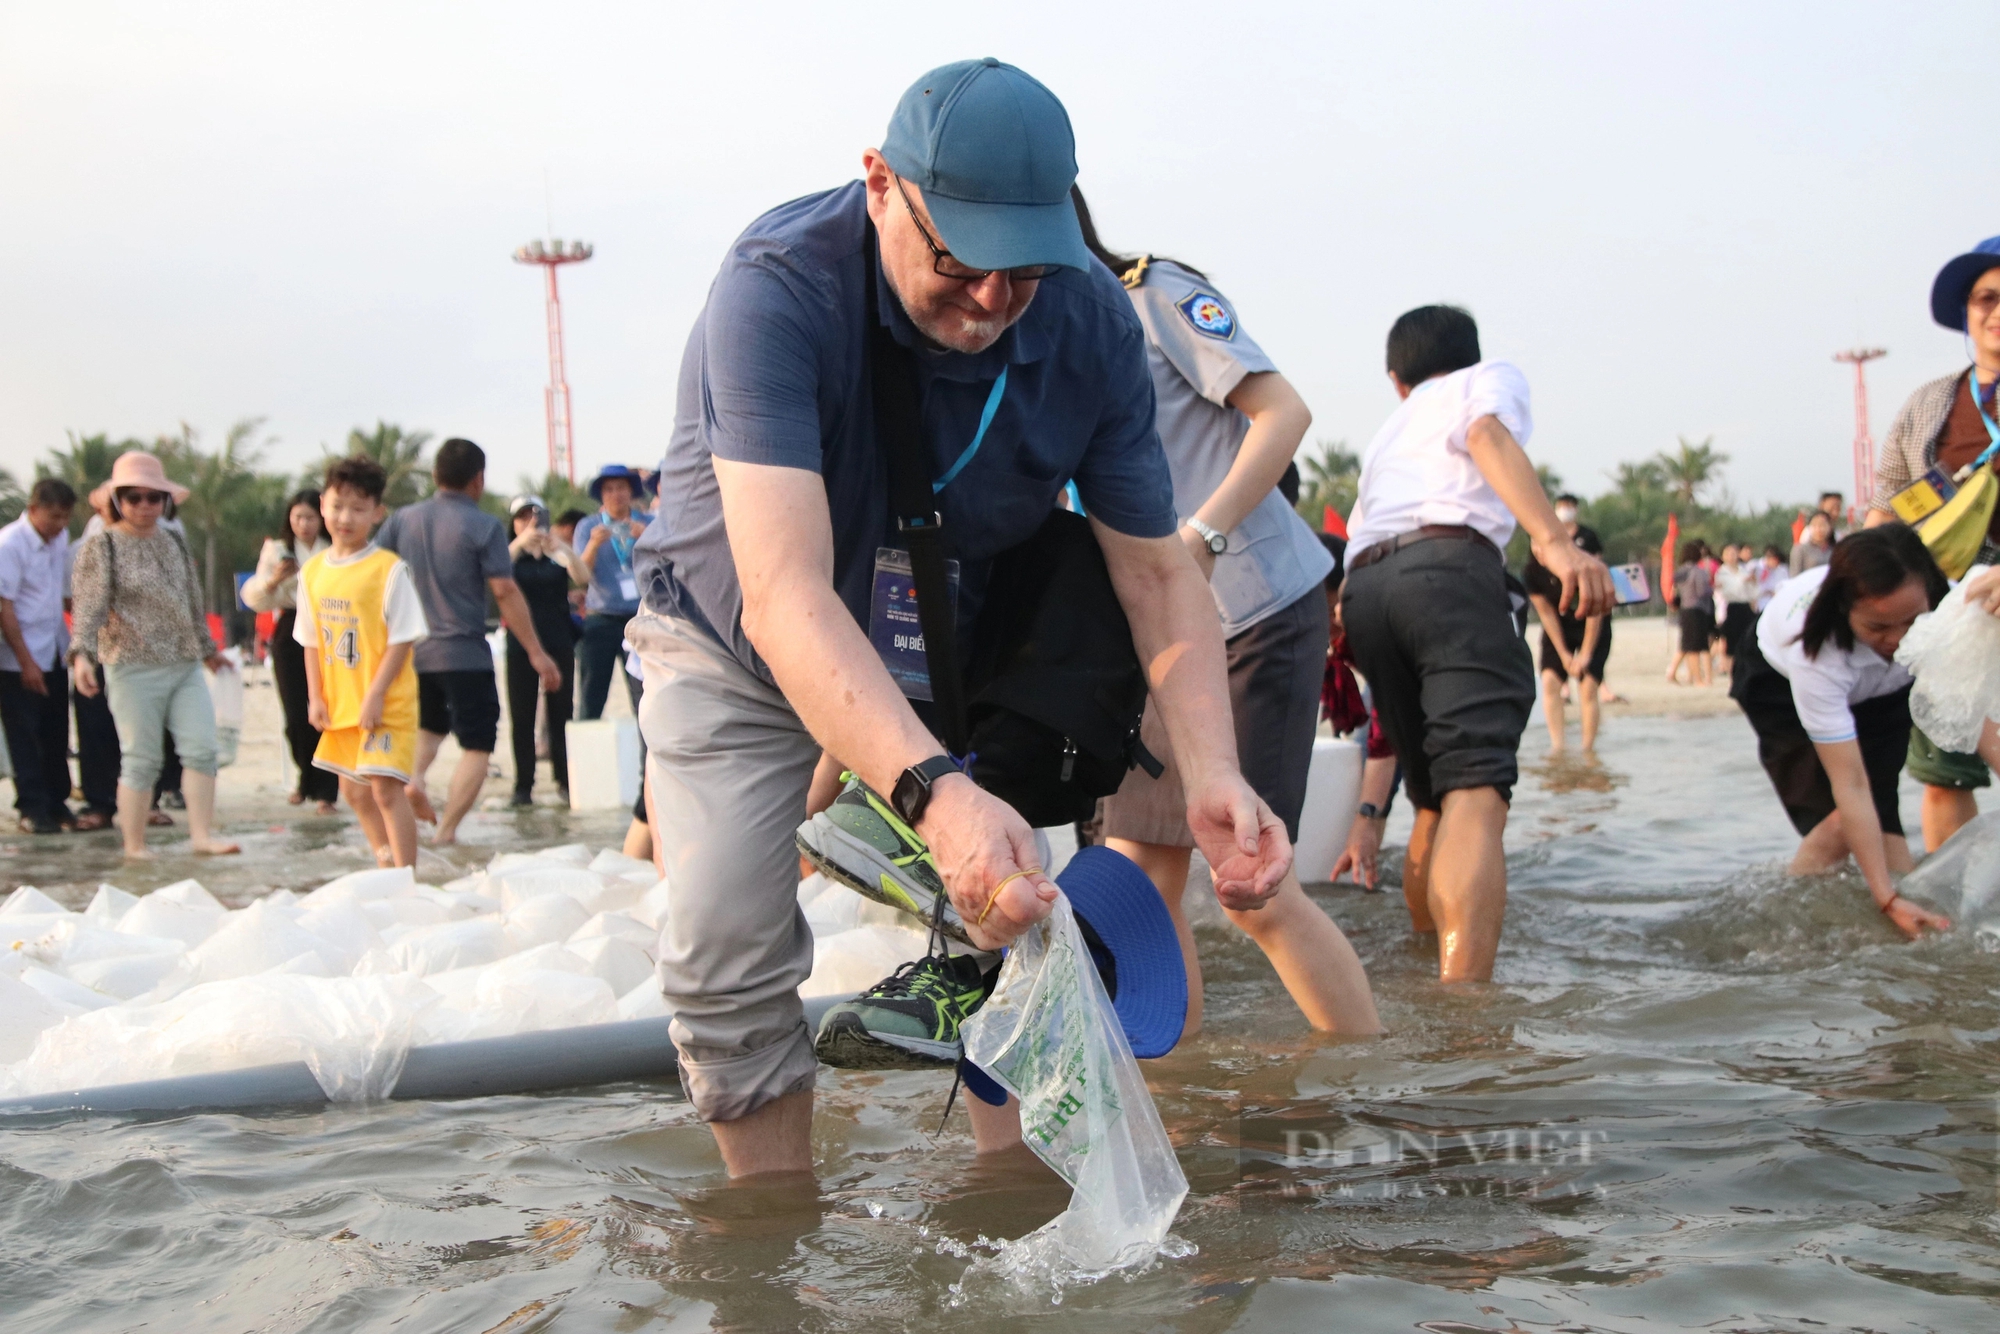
<point>1947,424</point>
<point>756,581</point>
<point>608,542</point>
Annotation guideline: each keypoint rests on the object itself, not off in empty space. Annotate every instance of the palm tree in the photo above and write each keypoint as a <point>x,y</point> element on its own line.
<point>1637,480</point>
<point>85,465</point>
<point>1692,469</point>
<point>1332,477</point>
<point>401,455</point>
<point>12,498</point>
<point>224,488</point>
<point>558,493</point>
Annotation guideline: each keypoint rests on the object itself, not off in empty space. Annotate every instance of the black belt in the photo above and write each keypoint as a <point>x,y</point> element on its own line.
<point>1430,531</point>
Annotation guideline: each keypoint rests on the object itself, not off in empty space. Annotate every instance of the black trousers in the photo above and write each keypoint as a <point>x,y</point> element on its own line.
<point>97,750</point>
<point>37,728</point>
<point>522,687</point>
<point>603,660</point>
<point>288,669</point>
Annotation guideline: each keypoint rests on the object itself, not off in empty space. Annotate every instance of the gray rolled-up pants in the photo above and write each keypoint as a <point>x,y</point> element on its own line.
<point>730,764</point>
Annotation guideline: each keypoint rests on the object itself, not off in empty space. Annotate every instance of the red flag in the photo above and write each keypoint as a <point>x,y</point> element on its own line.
<point>1667,558</point>
<point>1331,522</point>
<point>1798,526</point>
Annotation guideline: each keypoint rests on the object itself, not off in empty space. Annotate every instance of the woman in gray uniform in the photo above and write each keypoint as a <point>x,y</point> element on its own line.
<point>1231,423</point>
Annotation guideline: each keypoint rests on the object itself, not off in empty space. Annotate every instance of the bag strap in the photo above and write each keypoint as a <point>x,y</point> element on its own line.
<point>913,505</point>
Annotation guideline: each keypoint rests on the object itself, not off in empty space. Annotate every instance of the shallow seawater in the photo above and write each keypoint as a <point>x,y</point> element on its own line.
<point>1701,1096</point>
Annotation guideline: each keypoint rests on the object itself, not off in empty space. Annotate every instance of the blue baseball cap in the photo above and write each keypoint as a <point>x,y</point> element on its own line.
<point>612,472</point>
<point>994,155</point>
<point>1955,280</point>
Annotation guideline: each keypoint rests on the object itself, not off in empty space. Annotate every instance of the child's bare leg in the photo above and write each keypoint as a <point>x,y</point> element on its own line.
<point>396,816</point>
<point>361,799</point>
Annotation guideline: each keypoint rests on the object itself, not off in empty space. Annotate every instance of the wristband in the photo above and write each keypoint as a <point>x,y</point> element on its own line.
<point>1888,903</point>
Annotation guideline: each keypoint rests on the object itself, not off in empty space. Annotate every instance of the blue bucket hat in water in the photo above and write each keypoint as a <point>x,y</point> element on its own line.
<point>612,472</point>
<point>1955,280</point>
<point>1132,941</point>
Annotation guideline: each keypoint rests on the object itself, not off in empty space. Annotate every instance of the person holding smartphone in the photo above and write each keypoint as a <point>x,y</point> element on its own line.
<point>275,588</point>
<point>1574,648</point>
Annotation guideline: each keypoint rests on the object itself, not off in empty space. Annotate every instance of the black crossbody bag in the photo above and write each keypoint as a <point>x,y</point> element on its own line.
<point>1045,704</point>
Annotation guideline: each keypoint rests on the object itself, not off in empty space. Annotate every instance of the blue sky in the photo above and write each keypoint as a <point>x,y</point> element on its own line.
<point>1669,217</point>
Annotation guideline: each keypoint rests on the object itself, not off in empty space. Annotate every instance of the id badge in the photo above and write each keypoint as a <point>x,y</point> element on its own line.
<point>1923,497</point>
<point>628,586</point>
<point>895,628</point>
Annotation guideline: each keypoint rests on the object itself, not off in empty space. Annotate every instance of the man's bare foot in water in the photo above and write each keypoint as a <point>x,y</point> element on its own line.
<point>420,803</point>
<point>215,847</point>
<point>445,838</point>
<point>138,854</point>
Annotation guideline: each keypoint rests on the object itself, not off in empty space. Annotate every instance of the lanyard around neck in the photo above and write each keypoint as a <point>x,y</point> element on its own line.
<point>621,546</point>
<point>1992,428</point>
<point>993,398</point>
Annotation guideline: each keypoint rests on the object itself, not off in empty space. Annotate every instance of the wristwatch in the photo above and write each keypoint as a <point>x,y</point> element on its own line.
<point>913,789</point>
<point>1217,542</point>
<point>1368,810</point>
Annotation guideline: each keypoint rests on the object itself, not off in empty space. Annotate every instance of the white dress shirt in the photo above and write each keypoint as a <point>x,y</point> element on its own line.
<point>1417,471</point>
<point>1824,689</point>
<point>31,577</point>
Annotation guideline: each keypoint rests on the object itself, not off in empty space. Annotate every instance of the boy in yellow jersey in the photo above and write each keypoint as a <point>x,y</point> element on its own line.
<point>358,617</point>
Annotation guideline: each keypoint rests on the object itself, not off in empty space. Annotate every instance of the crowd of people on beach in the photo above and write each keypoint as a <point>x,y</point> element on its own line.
<point>920,412</point>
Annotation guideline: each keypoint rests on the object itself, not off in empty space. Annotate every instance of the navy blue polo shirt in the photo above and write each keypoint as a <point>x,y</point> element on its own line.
<point>775,372</point>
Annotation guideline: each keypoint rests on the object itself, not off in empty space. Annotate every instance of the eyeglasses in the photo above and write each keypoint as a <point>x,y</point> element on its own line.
<point>946,267</point>
<point>1984,301</point>
<point>133,496</point>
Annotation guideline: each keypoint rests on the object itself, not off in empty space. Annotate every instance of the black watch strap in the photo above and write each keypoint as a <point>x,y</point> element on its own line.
<point>1368,810</point>
<point>913,788</point>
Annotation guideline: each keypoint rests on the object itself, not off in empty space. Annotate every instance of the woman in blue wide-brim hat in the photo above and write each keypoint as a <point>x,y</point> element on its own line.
<point>1948,423</point>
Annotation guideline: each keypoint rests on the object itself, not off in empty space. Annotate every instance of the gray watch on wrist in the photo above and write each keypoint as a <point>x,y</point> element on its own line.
<point>1217,542</point>
<point>1368,810</point>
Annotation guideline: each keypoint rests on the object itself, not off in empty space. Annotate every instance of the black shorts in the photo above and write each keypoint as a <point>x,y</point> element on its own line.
<point>1433,631</point>
<point>1276,668</point>
<point>464,704</point>
<point>1882,726</point>
<point>1697,628</point>
<point>1738,619</point>
<point>1573,640</point>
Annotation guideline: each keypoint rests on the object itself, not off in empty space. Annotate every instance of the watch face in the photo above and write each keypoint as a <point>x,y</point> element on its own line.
<point>1217,543</point>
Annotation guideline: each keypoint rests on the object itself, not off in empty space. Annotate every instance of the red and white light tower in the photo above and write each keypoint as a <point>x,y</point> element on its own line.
<point>1864,443</point>
<point>552,255</point>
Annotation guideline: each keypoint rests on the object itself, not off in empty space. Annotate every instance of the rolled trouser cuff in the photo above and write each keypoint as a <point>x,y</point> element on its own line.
<point>727,1088</point>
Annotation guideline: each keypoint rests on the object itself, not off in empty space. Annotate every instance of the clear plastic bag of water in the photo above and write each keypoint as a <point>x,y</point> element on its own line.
<point>1049,1035</point>
<point>1954,653</point>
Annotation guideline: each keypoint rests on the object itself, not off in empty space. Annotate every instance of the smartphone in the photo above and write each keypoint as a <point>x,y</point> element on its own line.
<point>1628,585</point>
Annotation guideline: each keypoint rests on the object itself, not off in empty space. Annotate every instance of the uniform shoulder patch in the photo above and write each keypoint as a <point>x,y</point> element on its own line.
<point>1207,313</point>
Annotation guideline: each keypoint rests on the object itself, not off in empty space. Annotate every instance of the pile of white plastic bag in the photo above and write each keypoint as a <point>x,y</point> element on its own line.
<point>350,976</point>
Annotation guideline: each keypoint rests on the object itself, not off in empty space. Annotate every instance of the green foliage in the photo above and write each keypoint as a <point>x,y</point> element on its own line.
<point>85,465</point>
<point>233,502</point>
<point>558,493</point>
<point>1632,516</point>
<point>1692,470</point>
<point>231,506</point>
<point>12,498</point>
<point>401,455</point>
<point>1330,475</point>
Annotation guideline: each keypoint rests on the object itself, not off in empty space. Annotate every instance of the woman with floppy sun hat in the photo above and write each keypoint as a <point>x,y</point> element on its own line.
<point>138,614</point>
<point>1948,424</point>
